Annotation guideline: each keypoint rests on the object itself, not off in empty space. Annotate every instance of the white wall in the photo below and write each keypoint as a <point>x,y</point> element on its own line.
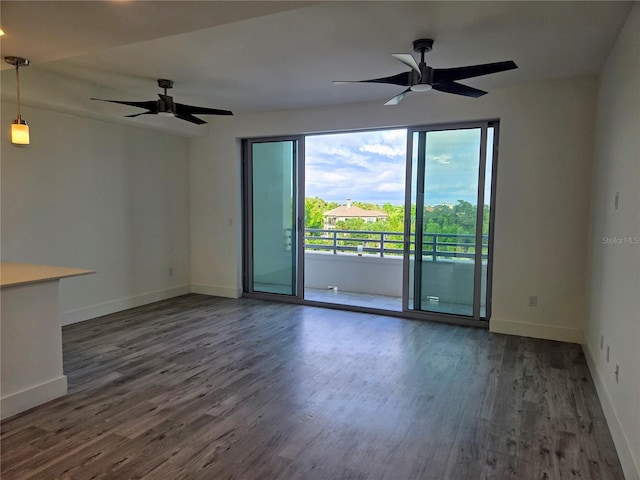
<point>544,173</point>
<point>614,307</point>
<point>101,196</point>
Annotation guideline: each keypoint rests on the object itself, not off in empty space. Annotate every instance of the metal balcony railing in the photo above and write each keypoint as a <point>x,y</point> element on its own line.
<point>435,246</point>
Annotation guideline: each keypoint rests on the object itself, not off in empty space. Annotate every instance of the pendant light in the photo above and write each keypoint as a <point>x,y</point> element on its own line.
<point>19,127</point>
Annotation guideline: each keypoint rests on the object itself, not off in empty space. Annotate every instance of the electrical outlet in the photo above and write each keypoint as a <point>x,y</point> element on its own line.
<point>607,353</point>
<point>601,342</point>
<point>533,300</point>
<point>171,272</point>
<point>617,372</point>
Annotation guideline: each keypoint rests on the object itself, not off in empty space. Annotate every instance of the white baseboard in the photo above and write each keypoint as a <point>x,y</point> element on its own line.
<point>535,330</point>
<point>93,311</point>
<point>629,467</point>
<point>216,291</point>
<point>15,403</point>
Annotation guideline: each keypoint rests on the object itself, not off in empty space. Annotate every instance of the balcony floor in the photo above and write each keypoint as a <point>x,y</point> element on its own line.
<point>355,299</point>
<point>381,302</point>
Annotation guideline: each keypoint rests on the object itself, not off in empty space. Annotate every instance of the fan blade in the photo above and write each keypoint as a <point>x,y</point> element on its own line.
<point>459,89</point>
<point>151,105</point>
<point>407,59</point>
<point>402,79</point>
<point>143,113</point>
<point>182,109</point>
<point>190,118</point>
<point>398,98</point>
<point>441,75</point>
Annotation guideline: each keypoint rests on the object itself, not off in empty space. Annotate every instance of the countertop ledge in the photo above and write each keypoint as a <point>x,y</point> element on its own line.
<point>13,274</point>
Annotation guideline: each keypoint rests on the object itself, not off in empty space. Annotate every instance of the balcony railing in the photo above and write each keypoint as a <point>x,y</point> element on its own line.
<point>435,246</point>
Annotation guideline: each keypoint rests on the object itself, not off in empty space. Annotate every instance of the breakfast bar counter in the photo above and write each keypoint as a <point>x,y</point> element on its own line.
<point>31,335</point>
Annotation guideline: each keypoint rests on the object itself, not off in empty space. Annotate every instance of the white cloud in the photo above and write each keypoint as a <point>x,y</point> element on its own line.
<point>327,154</point>
<point>444,159</point>
<point>385,150</point>
<point>333,151</point>
<point>323,177</point>
<point>395,136</point>
<point>390,187</point>
<point>388,174</point>
<point>312,159</point>
<point>359,160</point>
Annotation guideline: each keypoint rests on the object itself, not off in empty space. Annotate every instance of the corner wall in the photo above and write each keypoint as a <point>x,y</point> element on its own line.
<point>544,175</point>
<point>614,290</point>
<point>101,196</point>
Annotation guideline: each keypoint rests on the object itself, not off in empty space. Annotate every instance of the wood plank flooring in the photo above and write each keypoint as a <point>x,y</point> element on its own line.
<point>200,387</point>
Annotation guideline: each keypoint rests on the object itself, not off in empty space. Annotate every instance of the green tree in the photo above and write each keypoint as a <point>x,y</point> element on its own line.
<point>395,220</point>
<point>352,224</point>
<point>314,209</point>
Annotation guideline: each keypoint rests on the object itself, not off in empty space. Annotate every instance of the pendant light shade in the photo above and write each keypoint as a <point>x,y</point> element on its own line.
<point>19,127</point>
<point>19,132</point>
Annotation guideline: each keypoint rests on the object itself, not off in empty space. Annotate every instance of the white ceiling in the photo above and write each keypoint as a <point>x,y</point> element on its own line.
<point>256,56</point>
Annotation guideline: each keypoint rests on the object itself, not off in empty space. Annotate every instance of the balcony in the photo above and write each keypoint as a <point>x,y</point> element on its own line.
<point>362,265</point>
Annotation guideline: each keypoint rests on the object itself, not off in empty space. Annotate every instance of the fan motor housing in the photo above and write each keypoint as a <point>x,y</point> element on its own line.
<point>423,45</point>
<point>164,83</point>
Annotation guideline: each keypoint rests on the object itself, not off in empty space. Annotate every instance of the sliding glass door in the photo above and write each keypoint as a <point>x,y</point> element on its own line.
<point>445,270</point>
<point>448,217</point>
<point>272,254</point>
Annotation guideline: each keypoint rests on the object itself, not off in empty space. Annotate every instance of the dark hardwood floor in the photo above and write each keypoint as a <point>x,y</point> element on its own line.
<point>207,388</point>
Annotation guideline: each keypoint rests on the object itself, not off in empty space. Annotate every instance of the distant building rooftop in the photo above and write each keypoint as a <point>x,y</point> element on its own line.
<point>349,210</point>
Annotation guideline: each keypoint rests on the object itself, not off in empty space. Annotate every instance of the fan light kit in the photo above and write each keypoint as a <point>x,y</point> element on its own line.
<point>19,127</point>
<point>422,78</point>
<point>166,107</point>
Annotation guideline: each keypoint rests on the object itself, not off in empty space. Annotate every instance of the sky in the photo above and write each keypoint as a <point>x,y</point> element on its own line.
<point>362,166</point>
<point>370,166</point>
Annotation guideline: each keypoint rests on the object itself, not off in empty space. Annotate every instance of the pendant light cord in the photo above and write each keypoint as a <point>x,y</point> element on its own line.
<point>18,88</point>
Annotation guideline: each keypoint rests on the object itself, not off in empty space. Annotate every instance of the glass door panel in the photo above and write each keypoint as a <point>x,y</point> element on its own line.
<point>272,242</point>
<point>447,232</point>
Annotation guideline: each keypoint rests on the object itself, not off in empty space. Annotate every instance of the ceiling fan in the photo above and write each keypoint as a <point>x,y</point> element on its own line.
<point>422,78</point>
<point>166,107</point>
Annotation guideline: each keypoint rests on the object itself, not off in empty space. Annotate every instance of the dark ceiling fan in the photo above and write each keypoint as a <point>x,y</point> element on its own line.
<point>166,107</point>
<point>422,78</point>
